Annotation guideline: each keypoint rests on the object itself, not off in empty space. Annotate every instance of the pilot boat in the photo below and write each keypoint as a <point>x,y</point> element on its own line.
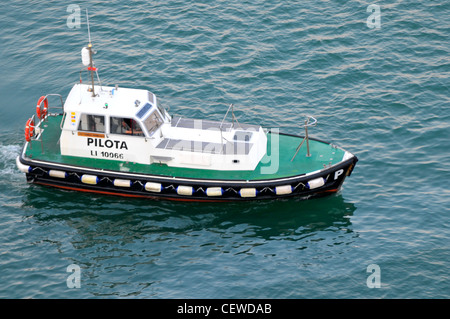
<point>120,141</point>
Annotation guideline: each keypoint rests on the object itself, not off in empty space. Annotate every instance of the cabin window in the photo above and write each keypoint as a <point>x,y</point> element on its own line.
<point>127,126</point>
<point>153,122</point>
<point>92,123</point>
<point>144,110</point>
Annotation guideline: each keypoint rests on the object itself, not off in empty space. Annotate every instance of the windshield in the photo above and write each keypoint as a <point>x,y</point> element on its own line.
<point>152,122</point>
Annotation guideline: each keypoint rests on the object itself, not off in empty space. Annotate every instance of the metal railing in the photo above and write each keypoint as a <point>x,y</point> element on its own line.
<point>233,119</point>
<point>54,107</point>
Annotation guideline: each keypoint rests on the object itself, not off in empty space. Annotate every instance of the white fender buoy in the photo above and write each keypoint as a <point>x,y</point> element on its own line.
<point>283,190</point>
<point>248,192</point>
<point>57,174</point>
<point>315,183</point>
<point>89,179</point>
<point>214,191</point>
<point>185,190</point>
<point>122,182</point>
<point>23,168</point>
<point>153,187</point>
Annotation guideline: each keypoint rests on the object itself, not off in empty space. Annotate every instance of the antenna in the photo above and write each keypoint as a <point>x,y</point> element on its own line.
<point>86,59</point>
<point>89,31</point>
<point>91,66</point>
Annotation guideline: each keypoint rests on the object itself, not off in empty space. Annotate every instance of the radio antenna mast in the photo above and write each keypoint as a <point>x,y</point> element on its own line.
<point>89,31</point>
<point>91,66</point>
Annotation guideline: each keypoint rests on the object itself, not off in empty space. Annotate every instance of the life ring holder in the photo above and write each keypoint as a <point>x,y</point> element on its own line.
<point>32,132</point>
<point>42,111</point>
<point>29,129</point>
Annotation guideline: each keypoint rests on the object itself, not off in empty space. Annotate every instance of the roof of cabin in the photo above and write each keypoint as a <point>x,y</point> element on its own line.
<point>121,102</point>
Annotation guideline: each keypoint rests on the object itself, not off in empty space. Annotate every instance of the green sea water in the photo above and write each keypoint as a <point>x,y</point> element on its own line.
<point>379,88</point>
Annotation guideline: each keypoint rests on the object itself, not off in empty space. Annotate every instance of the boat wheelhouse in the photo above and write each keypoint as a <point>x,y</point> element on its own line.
<point>128,125</point>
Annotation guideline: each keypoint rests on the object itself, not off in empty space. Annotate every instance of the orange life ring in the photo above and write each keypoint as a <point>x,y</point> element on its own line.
<point>29,130</point>
<point>43,113</point>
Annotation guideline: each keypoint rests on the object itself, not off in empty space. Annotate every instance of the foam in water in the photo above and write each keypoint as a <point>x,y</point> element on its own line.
<point>8,155</point>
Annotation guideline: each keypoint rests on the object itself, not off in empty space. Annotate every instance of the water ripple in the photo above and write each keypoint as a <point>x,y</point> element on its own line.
<point>383,94</point>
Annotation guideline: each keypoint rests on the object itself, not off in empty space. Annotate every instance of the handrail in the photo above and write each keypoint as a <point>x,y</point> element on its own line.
<point>221,123</point>
<point>220,128</point>
<point>54,107</point>
<point>233,118</point>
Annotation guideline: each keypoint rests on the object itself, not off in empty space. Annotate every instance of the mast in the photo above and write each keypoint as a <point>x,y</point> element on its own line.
<point>87,60</point>
<point>91,66</point>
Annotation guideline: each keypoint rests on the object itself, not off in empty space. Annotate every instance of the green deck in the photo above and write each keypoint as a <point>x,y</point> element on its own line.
<point>277,166</point>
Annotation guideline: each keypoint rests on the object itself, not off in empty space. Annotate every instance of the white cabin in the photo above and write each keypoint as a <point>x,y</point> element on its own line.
<point>128,125</point>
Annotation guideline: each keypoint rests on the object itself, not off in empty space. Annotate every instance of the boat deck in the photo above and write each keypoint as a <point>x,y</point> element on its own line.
<point>46,148</point>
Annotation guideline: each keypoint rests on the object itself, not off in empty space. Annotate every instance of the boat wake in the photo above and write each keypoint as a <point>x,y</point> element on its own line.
<point>8,168</point>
